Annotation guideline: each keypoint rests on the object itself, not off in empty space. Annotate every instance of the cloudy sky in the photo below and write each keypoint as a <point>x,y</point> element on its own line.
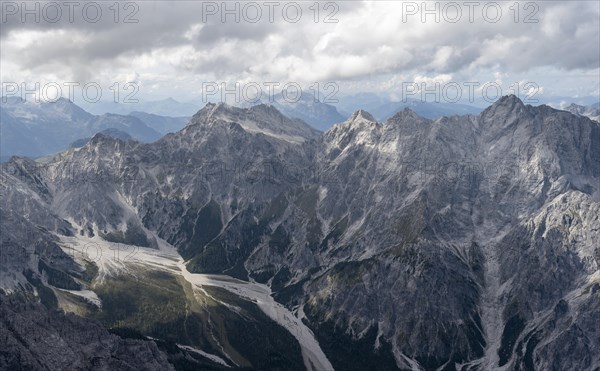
<point>177,49</point>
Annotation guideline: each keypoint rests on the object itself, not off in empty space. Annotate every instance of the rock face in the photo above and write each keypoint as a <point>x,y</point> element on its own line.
<point>468,242</point>
<point>34,338</point>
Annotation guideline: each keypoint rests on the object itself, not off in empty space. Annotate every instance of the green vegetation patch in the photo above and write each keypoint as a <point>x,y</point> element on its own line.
<point>152,303</point>
<point>351,272</point>
<point>266,344</point>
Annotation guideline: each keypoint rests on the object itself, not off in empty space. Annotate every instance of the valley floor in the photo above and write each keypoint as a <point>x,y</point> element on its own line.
<point>114,259</point>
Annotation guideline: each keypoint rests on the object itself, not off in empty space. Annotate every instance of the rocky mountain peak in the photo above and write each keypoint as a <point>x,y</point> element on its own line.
<point>66,106</point>
<point>269,111</point>
<point>63,101</point>
<point>491,210</point>
<point>265,107</point>
<point>504,113</point>
<point>109,136</point>
<point>206,112</point>
<point>362,115</point>
<point>508,101</point>
<point>505,105</point>
<point>407,115</point>
<point>592,112</point>
<point>220,107</point>
<point>575,107</point>
<point>210,105</point>
<point>110,132</point>
<point>262,118</point>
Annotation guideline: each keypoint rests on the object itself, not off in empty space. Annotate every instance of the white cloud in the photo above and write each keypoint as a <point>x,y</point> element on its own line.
<point>369,45</point>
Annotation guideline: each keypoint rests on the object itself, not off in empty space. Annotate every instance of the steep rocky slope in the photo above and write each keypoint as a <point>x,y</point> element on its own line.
<point>34,338</point>
<point>468,242</point>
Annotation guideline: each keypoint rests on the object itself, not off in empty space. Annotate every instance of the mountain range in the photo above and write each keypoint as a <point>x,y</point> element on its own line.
<point>383,108</point>
<point>164,107</point>
<point>306,107</point>
<point>591,111</point>
<point>250,240</point>
<point>42,128</point>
